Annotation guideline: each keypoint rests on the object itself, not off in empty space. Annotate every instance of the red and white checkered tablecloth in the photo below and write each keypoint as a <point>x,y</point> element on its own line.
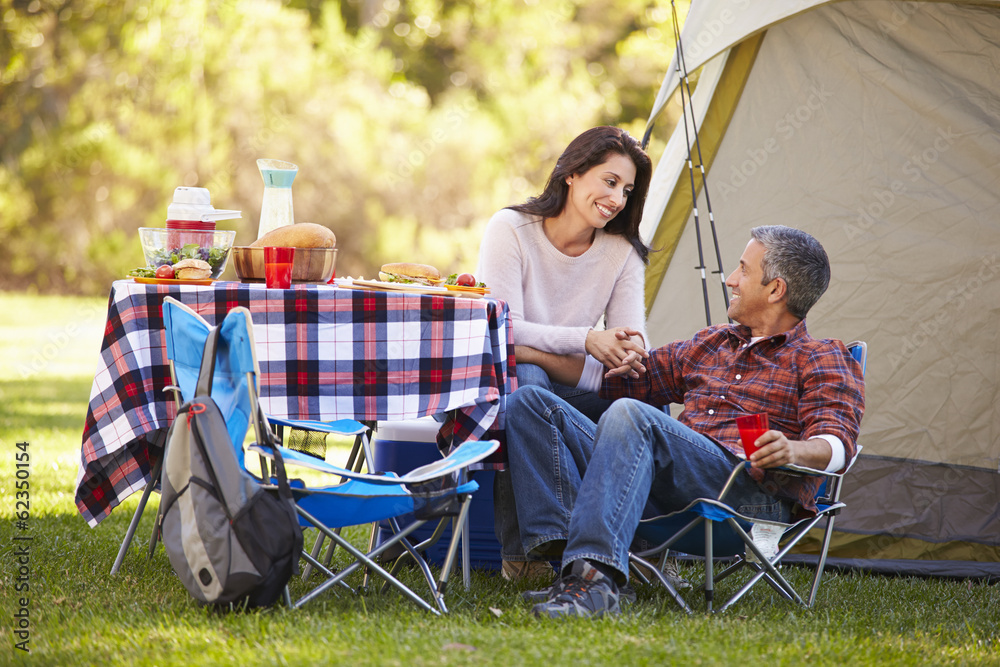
<point>325,353</point>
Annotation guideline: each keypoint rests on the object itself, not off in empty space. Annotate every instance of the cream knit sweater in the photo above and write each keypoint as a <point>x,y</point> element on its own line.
<point>555,299</point>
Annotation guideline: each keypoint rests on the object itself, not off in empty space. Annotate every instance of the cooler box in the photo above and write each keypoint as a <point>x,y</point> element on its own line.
<point>401,446</point>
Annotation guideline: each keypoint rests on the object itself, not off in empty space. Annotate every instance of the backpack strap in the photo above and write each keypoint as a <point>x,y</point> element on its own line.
<point>271,442</point>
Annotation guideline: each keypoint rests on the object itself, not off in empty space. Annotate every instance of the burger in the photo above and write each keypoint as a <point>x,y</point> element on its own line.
<point>192,269</point>
<point>406,272</point>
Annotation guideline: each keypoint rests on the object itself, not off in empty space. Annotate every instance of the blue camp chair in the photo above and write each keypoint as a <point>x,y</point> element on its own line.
<point>185,333</point>
<point>428,493</point>
<point>710,528</point>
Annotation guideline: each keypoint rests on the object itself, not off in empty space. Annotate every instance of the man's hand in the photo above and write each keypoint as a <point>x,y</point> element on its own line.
<point>616,350</point>
<point>777,450</point>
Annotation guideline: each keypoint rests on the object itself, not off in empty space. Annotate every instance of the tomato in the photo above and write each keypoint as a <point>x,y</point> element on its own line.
<point>165,271</point>
<point>466,280</point>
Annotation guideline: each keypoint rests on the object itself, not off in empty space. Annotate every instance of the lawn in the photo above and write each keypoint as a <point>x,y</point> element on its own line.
<point>79,614</point>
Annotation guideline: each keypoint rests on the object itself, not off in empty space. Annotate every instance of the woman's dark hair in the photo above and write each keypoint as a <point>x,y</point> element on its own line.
<point>589,150</point>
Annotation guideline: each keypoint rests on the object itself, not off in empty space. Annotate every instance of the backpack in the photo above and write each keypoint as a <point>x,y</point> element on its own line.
<point>228,539</point>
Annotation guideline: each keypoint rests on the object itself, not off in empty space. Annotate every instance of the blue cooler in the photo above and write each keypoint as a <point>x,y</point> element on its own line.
<point>401,446</point>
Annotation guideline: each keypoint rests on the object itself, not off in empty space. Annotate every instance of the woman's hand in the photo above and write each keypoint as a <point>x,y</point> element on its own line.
<point>619,349</point>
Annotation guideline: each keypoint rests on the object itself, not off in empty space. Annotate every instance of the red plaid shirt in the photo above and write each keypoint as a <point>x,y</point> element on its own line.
<point>806,386</point>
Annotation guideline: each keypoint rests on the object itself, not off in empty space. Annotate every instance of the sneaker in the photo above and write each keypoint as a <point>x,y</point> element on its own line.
<point>585,591</point>
<point>626,593</point>
<point>519,570</point>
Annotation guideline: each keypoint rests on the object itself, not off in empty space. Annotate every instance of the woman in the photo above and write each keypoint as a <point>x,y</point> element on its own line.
<point>563,261</point>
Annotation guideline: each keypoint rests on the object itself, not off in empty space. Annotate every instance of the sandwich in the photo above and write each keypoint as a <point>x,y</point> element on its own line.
<point>407,272</point>
<point>192,269</point>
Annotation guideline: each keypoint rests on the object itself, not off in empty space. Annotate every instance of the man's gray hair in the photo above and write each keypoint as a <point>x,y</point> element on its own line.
<point>799,260</point>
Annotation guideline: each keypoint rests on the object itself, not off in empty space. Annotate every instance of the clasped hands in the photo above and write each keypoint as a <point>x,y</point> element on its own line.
<point>617,351</point>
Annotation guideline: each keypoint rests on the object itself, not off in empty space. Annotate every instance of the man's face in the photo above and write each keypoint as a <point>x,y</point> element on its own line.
<point>749,298</point>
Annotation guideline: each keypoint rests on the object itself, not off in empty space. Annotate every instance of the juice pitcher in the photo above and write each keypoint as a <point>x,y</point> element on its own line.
<point>276,209</point>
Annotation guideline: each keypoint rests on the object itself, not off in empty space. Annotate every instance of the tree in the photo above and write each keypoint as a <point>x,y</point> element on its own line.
<point>411,122</point>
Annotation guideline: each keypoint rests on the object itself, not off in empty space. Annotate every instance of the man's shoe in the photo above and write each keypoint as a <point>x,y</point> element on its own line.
<point>626,594</point>
<point>585,591</point>
<point>520,570</point>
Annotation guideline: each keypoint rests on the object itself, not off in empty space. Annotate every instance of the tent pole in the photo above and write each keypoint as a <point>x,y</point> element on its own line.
<point>686,86</point>
<point>690,165</point>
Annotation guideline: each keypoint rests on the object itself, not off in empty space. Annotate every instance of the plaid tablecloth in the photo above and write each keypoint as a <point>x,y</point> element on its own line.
<point>325,353</point>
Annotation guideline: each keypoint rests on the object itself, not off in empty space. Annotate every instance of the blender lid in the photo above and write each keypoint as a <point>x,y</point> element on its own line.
<point>196,204</point>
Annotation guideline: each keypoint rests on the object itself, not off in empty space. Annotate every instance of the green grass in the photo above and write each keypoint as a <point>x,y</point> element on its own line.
<point>81,615</point>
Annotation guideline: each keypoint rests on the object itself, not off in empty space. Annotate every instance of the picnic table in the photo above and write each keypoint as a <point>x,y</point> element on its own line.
<point>325,353</point>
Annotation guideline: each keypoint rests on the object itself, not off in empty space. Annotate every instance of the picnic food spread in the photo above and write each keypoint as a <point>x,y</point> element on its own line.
<point>190,249</point>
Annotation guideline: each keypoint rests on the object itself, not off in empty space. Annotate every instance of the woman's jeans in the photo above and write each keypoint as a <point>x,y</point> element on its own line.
<point>504,514</point>
<point>585,485</point>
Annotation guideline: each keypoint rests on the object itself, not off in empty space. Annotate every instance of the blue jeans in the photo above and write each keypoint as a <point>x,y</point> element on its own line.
<point>504,514</point>
<point>582,487</point>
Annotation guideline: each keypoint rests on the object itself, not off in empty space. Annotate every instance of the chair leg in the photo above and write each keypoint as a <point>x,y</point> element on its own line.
<point>355,463</point>
<point>361,559</point>
<point>766,569</point>
<point>658,574</point>
<point>449,559</point>
<point>709,565</point>
<point>317,547</point>
<point>417,559</point>
<point>134,524</point>
<point>466,556</point>
<point>827,536</point>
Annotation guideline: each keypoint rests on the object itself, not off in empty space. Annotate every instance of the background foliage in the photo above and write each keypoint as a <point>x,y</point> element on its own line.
<point>411,122</point>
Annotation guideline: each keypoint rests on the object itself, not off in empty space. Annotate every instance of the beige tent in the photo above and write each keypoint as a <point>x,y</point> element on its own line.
<point>875,126</point>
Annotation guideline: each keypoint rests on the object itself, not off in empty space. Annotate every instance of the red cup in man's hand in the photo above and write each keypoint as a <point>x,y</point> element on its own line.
<point>751,427</point>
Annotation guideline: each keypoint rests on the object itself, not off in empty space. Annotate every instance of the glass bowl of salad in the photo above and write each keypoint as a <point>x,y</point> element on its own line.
<point>169,246</point>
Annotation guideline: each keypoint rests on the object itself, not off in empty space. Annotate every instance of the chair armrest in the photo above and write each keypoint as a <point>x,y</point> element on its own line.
<point>823,473</point>
<point>460,458</point>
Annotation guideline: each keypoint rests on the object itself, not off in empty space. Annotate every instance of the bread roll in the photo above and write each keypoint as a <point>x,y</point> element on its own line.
<point>298,235</point>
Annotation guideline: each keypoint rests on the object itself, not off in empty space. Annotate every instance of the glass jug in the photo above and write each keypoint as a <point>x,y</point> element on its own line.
<point>276,209</point>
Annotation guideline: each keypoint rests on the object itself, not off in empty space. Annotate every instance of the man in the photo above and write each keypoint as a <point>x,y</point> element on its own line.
<point>582,487</point>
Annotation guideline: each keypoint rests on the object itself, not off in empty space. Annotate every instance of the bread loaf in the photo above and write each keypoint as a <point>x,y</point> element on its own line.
<point>298,235</point>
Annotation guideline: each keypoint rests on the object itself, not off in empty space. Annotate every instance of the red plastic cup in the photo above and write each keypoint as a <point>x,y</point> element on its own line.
<point>278,267</point>
<point>751,427</point>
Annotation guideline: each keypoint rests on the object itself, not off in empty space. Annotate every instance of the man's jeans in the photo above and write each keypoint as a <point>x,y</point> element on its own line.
<point>585,485</point>
<point>504,514</point>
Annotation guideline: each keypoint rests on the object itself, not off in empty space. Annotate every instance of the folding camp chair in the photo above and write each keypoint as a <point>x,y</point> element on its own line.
<point>430,492</point>
<point>185,333</point>
<point>710,528</point>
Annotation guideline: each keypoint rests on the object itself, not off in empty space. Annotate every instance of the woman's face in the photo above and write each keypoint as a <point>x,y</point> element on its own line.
<point>600,193</point>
